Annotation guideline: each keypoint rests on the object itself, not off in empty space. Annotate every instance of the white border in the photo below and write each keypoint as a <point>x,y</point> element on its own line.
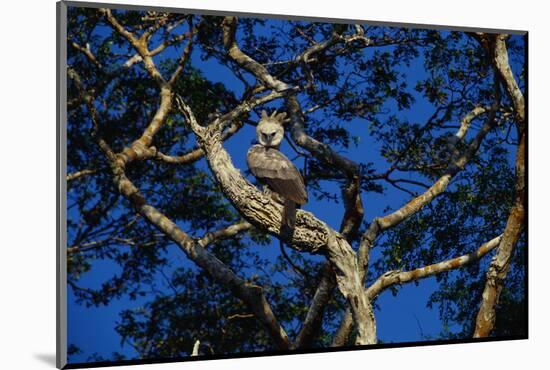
<point>27,188</point>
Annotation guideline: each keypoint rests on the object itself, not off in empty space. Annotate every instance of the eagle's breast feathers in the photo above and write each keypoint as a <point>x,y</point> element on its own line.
<point>273,168</point>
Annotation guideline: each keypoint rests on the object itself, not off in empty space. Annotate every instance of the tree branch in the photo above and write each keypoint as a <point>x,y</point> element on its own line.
<point>79,174</point>
<point>486,317</point>
<point>319,150</point>
<point>251,294</point>
<point>314,317</point>
<point>225,233</point>
<point>512,88</point>
<point>500,264</point>
<point>353,216</point>
<point>310,234</point>
<point>140,147</point>
<point>414,205</point>
<point>196,347</point>
<point>87,52</point>
<point>402,277</point>
<point>140,44</point>
<point>186,54</point>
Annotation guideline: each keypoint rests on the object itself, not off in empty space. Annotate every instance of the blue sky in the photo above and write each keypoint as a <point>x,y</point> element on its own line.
<point>402,318</point>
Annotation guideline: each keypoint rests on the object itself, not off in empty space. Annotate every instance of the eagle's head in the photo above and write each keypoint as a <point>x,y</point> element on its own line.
<point>270,130</point>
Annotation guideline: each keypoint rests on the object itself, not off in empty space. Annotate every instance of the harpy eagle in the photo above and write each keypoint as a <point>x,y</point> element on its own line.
<point>274,169</point>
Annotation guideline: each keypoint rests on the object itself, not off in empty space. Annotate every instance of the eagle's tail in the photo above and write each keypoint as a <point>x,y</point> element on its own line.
<point>289,215</point>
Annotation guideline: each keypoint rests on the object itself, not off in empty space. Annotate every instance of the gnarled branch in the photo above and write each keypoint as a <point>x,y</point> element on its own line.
<point>351,221</point>
<point>251,294</point>
<point>310,234</point>
<point>410,208</point>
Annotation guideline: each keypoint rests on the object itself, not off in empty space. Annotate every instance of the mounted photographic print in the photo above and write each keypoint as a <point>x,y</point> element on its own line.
<point>234,185</point>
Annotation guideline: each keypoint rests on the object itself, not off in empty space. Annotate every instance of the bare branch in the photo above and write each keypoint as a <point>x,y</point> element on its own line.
<point>79,174</point>
<point>139,44</point>
<point>351,221</point>
<point>414,205</point>
<point>402,277</point>
<point>240,316</point>
<point>87,52</point>
<point>136,58</point>
<point>160,21</point>
<point>318,149</point>
<point>190,157</point>
<point>466,121</point>
<point>441,184</point>
<point>500,264</point>
<point>140,147</point>
<point>251,294</point>
<point>310,234</point>
<point>512,88</point>
<point>225,233</point>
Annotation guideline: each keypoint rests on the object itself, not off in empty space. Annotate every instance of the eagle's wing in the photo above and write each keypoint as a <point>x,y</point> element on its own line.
<point>278,172</point>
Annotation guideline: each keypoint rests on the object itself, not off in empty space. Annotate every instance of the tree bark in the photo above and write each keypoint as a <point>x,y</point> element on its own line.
<point>380,224</point>
<point>310,234</point>
<point>486,316</point>
<point>251,294</point>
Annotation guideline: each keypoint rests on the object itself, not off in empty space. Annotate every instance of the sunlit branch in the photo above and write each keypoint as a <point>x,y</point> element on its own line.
<point>252,295</point>
<point>79,174</point>
<point>394,277</point>
<point>225,233</point>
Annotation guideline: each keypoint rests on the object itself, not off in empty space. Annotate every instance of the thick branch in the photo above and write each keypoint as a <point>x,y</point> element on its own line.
<point>310,234</point>
<point>140,147</point>
<point>503,66</point>
<point>351,221</point>
<point>414,205</point>
<point>466,121</point>
<point>500,264</point>
<point>251,294</point>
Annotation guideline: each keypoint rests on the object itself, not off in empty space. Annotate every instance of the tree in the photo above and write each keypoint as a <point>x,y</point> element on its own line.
<point>148,128</point>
